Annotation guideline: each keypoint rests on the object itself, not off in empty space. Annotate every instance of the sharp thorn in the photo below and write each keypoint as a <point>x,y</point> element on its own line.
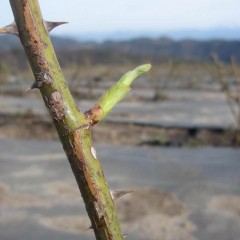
<point>51,25</point>
<point>10,29</point>
<point>90,228</point>
<point>117,194</point>
<point>34,86</point>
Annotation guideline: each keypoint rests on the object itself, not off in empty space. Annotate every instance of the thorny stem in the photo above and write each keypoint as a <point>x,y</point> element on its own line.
<point>72,125</point>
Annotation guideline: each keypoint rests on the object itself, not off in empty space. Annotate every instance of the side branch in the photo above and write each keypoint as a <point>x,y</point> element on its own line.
<point>114,95</point>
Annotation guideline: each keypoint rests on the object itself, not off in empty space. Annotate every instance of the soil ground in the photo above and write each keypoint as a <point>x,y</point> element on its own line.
<point>181,193</point>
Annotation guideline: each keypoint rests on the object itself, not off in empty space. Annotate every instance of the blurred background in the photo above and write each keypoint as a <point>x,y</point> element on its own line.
<point>175,138</point>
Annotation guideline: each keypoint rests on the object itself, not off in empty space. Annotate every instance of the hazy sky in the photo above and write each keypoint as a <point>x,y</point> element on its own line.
<point>135,15</point>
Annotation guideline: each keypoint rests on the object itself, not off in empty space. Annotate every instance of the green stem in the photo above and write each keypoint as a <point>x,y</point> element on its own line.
<point>71,124</point>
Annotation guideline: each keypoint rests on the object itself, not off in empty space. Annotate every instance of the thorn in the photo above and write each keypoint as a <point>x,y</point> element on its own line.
<point>10,29</point>
<point>51,25</point>
<point>117,194</point>
<point>90,228</point>
<point>34,86</point>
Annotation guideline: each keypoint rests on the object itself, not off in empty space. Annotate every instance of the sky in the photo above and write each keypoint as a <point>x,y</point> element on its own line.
<point>135,15</point>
